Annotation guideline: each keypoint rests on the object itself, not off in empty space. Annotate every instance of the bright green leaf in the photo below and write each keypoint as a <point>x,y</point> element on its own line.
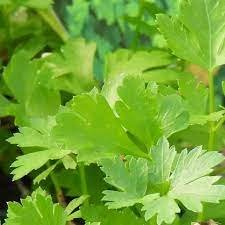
<point>26,163</point>
<point>36,209</point>
<point>165,207</point>
<point>45,173</point>
<point>83,126</point>
<point>199,42</point>
<point>185,175</point>
<point>70,73</point>
<point>146,115</point>
<point>75,203</point>
<point>124,61</point>
<point>69,162</point>
<point>129,178</point>
<point>162,160</point>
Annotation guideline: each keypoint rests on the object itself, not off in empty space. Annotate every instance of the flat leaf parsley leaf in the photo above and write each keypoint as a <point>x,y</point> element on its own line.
<point>160,183</point>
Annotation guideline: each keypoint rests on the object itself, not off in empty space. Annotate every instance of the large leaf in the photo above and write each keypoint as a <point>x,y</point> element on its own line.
<point>203,41</point>
<point>90,127</point>
<point>148,115</point>
<point>171,177</point>
<point>36,209</point>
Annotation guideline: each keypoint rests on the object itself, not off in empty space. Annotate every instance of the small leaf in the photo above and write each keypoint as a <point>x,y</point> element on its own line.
<point>69,71</point>
<point>69,162</point>
<point>45,174</point>
<point>23,164</point>
<point>129,177</point>
<point>75,203</point>
<point>165,207</point>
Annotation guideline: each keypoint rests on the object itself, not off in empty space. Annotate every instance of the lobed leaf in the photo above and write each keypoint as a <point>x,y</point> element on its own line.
<point>36,209</point>
<point>203,41</point>
<point>170,178</point>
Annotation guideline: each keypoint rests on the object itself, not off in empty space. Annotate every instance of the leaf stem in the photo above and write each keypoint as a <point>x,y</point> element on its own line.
<point>59,194</point>
<point>54,22</point>
<point>211,110</point>
<point>83,180</point>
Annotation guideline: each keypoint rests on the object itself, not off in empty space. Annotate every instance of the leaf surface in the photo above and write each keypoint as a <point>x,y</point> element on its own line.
<point>171,177</point>
<point>36,209</point>
<point>203,41</point>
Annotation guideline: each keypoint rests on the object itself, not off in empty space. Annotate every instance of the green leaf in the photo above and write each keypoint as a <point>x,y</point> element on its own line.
<point>189,183</point>
<point>124,61</point>
<point>23,164</point>
<point>99,214</point>
<point>37,208</point>
<point>138,110</point>
<point>69,162</point>
<point>203,41</point>
<point>171,177</point>
<point>162,160</point>
<point>146,115</point>
<point>29,137</point>
<point>45,173</point>
<point>87,120</point>
<point>70,73</point>
<point>38,137</point>
<point>162,75</point>
<point>194,93</point>
<point>172,114</point>
<point>35,98</point>
<point>165,207</point>
<point>75,203</point>
<point>129,177</point>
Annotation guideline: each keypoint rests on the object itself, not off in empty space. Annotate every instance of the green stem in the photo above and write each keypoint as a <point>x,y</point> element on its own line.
<point>53,21</point>
<point>211,110</point>
<point>83,180</point>
<point>58,190</point>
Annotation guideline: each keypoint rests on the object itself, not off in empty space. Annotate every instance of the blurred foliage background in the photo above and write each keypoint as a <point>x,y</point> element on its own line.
<point>110,24</point>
